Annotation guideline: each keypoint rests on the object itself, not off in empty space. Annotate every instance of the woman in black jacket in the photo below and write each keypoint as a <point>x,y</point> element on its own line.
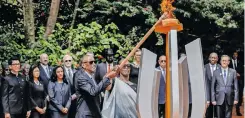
<point>59,93</point>
<point>37,94</point>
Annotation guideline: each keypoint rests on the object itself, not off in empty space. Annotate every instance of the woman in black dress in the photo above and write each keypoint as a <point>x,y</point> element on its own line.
<point>37,94</point>
<point>134,72</point>
<point>59,93</point>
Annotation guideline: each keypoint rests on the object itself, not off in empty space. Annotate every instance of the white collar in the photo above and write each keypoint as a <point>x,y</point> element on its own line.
<point>44,66</point>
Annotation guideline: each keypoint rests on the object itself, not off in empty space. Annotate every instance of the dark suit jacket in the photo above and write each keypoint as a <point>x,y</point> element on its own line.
<point>162,89</point>
<point>239,69</point>
<point>37,95</point>
<point>15,98</point>
<point>89,103</point>
<point>208,80</point>
<point>59,97</point>
<point>71,81</point>
<point>44,77</point>
<point>222,91</point>
<point>101,70</point>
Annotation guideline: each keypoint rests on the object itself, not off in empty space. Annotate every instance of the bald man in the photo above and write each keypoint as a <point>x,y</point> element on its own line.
<point>69,73</point>
<point>45,70</point>
<point>209,69</point>
<point>162,87</point>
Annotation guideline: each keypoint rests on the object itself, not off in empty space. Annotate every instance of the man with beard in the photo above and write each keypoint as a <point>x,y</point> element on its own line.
<point>104,67</point>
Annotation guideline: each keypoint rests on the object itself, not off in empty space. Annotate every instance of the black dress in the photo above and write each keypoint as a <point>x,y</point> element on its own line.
<point>134,73</point>
<point>38,98</point>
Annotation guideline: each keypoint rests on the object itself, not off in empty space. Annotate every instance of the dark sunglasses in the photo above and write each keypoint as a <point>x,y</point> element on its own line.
<point>67,60</point>
<point>90,62</point>
<point>163,61</point>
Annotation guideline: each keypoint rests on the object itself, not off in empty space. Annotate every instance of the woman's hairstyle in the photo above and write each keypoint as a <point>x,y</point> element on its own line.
<point>31,77</point>
<point>54,75</point>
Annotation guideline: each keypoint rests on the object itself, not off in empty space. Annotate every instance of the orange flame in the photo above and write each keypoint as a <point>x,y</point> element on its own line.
<point>167,8</point>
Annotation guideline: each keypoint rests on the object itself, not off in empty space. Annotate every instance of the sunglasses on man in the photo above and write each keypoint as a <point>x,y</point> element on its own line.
<point>90,62</point>
<point>67,60</point>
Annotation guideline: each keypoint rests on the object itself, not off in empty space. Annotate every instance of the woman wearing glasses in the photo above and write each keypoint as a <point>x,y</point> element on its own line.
<point>37,94</point>
<point>59,93</point>
<point>120,97</point>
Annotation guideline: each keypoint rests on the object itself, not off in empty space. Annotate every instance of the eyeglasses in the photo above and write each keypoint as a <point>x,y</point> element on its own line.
<point>67,60</point>
<point>163,61</point>
<point>90,62</point>
<point>126,66</point>
<point>15,64</point>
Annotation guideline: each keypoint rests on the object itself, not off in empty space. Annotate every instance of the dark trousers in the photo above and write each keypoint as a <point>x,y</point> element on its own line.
<point>240,93</point>
<point>189,111</point>
<point>35,114</point>
<point>211,111</point>
<point>72,110</point>
<point>161,110</point>
<point>224,110</point>
<point>23,115</point>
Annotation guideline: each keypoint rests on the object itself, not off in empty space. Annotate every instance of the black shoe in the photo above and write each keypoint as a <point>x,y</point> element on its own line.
<point>238,114</point>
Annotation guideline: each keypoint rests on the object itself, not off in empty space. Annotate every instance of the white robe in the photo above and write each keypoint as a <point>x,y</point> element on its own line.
<point>121,102</point>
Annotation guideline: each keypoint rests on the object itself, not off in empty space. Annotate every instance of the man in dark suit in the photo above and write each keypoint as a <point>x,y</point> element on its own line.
<point>69,73</point>
<point>15,98</point>
<point>238,66</point>
<point>209,69</point>
<point>104,67</point>
<point>45,70</point>
<point>89,101</point>
<point>161,97</point>
<point>224,88</point>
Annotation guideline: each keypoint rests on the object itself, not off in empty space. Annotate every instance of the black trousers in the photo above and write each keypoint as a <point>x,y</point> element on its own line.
<point>224,110</point>
<point>240,92</point>
<point>23,115</point>
<point>211,111</point>
<point>161,110</point>
<point>35,114</point>
<point>73,108</point>
<point>189,111</point>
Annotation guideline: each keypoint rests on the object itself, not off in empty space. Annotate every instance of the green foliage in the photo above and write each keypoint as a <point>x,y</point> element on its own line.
<point>90,37</point>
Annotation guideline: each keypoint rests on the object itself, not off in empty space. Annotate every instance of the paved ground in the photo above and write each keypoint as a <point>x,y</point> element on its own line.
<point>234,112</point>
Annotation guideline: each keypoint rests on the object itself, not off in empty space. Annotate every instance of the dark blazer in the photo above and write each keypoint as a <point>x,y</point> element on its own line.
<point>15,98</point>
<point>89,103</point>
<point>208,80</point>
<point>37,95</point>
<point>101,70</point>
<point>44,77</point>
<point>59,97</point>
<point>162,89</point>
<point>222,91</point>
<point>71,80</point>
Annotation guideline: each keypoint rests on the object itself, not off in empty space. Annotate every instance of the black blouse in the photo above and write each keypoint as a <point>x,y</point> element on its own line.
<point>134,73</point>
<point>37,95</point>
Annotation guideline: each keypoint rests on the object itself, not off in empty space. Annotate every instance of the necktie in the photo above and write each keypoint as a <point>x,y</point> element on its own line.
<point>109,68</point>
<point>164,75</point>
<point>69,73</point>
<point>47,71</point>
<point>235,64</point>
<point>224,76</point>
<point>212,69</point>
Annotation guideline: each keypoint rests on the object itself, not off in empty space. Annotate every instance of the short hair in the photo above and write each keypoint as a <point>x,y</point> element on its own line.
<point>67,55</point>
<point>225,56</point>
<point>13,58</point>
<point>138,50</point>
<point>212,54</point>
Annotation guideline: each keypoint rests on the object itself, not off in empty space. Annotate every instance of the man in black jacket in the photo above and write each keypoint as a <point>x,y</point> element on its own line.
<point>15,98</point>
